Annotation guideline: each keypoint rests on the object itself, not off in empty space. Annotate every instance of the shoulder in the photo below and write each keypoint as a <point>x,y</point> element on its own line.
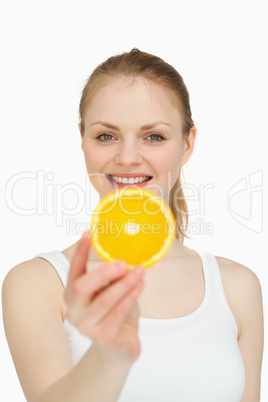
<point>35,278</point>
<point>33,315</point>
<point>242,289</point>
<point>33,270</point>
<point>238,273</point>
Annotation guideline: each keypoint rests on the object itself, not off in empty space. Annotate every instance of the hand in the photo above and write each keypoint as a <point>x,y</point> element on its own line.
<point>102,305</point>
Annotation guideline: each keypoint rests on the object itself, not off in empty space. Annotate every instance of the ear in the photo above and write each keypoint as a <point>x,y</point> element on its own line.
<point>189,145</point>
<point>82,144</point>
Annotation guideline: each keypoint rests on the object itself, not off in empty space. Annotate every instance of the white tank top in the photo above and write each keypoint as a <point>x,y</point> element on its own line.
<point>194,358</point>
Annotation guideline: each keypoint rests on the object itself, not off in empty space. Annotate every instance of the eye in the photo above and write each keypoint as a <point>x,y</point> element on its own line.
<point>160,137</point>
<point>104,139</point>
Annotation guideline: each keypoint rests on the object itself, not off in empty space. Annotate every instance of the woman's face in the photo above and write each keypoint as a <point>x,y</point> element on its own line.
<point>128,148</point>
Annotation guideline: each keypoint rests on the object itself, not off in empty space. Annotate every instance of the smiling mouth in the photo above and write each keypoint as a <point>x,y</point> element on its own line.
<point>130,180</point>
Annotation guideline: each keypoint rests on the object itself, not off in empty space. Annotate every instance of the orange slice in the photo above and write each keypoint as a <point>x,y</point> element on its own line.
<point>133,224</point>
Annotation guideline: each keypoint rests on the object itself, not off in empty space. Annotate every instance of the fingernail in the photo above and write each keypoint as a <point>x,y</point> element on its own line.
<point>86,234</point>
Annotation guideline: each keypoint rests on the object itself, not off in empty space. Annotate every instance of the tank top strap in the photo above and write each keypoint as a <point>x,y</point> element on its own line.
<point>217,289</point>
<point>213,274</point>
<point>213,270</point>
<point>213,285</point>
<point>59,262</point>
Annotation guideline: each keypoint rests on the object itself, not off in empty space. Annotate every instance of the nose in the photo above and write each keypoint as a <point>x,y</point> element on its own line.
<point>129,153</point>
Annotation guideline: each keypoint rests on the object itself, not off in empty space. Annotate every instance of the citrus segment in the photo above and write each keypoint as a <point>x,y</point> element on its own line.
<point>133,224</point>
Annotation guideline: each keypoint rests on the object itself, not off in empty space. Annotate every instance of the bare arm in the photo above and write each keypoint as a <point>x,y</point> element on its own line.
<point>244,293</point>
<point>252,337</point>
<point>33,311</point>
<point>91,379</point>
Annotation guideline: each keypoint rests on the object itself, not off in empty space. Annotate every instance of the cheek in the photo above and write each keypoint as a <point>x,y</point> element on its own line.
<point>167,165</point>
<point>95,165</point>
<point>94,159</point>
<point>169,160</point>
<point>97,178</point>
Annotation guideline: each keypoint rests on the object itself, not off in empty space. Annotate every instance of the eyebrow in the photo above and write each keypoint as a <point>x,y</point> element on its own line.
<point>146,127</point>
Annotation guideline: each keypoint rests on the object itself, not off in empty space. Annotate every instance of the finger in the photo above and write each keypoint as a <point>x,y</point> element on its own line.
<point>107,330</point>
<point>79,293</point>
<point>78,265</point>
<point>95,281</point>
<point>110,297</point>
<point>116,319</point>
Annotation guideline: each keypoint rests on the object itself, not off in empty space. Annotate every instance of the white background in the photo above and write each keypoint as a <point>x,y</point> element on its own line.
<point>49,48</point>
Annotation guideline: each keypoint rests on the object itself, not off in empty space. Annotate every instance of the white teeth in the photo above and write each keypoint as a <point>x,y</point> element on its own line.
<point>130,180</point>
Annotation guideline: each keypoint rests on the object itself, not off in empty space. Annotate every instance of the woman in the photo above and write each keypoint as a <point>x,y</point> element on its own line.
<point>189,328</point>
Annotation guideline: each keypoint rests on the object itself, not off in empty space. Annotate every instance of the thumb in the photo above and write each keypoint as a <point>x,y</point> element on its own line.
<point>78,265</point>
<point>133,316</point>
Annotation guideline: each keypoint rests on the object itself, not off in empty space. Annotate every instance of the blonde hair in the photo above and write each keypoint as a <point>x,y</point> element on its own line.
<point>136,64</point>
